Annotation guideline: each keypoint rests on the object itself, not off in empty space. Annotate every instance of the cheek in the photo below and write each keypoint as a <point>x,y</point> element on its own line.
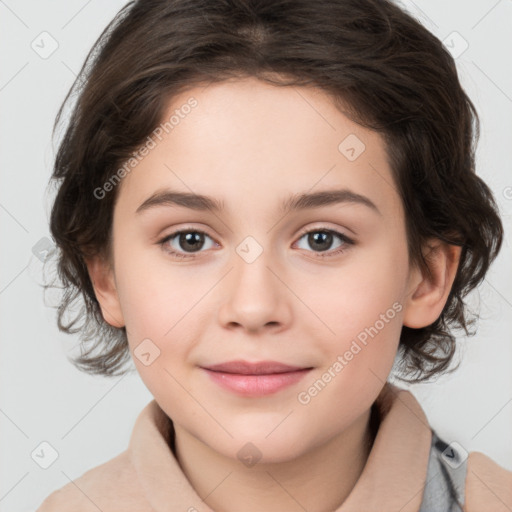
<point>361,308</point>
<point>166,313</point>
<point>365,320</point>
<point>156,295</point>
<point>160,335</point>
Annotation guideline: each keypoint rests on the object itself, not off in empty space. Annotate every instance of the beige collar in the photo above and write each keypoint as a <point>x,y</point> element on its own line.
<point>392,479</point>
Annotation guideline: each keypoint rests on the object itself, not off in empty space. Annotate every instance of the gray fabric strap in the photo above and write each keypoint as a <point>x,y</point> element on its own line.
<point>446,478</point>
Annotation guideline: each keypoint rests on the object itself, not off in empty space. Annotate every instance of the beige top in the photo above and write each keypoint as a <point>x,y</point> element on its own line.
<point>147,476</point>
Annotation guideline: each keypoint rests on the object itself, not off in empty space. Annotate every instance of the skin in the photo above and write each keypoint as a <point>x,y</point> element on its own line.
<point>251,145</point>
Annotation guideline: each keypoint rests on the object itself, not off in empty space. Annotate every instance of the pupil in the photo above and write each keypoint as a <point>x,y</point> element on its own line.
<point>317,238</point>
<point>193,239</point>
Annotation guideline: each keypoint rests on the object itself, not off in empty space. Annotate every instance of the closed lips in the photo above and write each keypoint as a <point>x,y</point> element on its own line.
<point>247,368</point>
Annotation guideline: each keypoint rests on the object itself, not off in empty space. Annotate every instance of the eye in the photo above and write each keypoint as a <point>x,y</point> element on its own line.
<point>321,240</point>
<point>183,242</point>
<point>186,243</point>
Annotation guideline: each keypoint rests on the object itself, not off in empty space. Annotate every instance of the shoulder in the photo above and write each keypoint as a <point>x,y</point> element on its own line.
<point>462,481</point>
<point>111,487</point>
<point>488,485</point>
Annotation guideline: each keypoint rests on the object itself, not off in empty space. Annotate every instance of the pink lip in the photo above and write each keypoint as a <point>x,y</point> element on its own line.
<point>246,368</point>
<point>255,379</point>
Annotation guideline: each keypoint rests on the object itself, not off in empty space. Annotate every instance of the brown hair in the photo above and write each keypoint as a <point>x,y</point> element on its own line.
<point>370,56</point>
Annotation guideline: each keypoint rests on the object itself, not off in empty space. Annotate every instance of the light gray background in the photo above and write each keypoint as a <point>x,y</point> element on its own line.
<point>88,420</point>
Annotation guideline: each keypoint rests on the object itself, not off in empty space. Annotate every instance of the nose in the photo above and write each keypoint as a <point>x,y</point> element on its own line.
<point>254,296</point>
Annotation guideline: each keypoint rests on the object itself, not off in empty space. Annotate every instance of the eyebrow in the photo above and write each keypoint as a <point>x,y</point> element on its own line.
<point>167,197</point>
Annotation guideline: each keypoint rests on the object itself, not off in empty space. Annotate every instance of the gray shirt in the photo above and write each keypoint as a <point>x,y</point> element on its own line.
<point>446,477</point>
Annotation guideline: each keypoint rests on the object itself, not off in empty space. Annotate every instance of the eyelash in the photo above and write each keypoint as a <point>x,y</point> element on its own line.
<point>346,241</point>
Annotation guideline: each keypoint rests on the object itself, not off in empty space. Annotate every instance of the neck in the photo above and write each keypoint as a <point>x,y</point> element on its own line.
<point>318,481</point>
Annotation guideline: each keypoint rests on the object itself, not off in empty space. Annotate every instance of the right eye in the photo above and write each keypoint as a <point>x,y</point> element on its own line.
<point>184,241</point>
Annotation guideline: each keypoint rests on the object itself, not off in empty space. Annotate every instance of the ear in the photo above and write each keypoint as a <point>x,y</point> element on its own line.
<point>103,282</point>
<point>428,293</point>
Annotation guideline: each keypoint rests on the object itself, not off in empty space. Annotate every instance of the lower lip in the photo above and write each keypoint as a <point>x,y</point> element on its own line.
<point>256,385</point>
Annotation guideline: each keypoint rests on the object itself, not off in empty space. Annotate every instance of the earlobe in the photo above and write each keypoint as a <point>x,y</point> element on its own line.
<point>103,282</point>
<point>428,293</point>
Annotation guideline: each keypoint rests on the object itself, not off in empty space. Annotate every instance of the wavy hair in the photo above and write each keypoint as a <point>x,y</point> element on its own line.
<point>374,59</point>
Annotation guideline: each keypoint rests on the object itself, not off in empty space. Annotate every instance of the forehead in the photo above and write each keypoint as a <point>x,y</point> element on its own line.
<point>247,140</point>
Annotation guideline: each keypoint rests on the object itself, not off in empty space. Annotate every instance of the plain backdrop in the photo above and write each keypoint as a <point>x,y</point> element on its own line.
<point>88,420</point>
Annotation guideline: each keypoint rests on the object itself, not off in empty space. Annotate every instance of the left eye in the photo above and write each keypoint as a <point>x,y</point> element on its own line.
<point>321,240</point>
<point>185,243</point>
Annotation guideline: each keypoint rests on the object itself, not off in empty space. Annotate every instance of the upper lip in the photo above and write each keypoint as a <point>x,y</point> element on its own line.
<point>247,368</point>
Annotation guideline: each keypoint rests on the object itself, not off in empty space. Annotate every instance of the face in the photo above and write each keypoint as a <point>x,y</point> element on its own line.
<point>321,286</point>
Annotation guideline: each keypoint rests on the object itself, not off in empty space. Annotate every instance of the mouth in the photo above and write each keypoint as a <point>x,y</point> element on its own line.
<point>255,379</point>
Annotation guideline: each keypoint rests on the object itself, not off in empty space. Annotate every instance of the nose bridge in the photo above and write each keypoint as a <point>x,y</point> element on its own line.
<point>252,296</point>
<point>251,273</point>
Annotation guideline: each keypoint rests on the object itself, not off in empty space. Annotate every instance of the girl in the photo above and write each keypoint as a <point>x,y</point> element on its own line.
<point>264,205</point>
